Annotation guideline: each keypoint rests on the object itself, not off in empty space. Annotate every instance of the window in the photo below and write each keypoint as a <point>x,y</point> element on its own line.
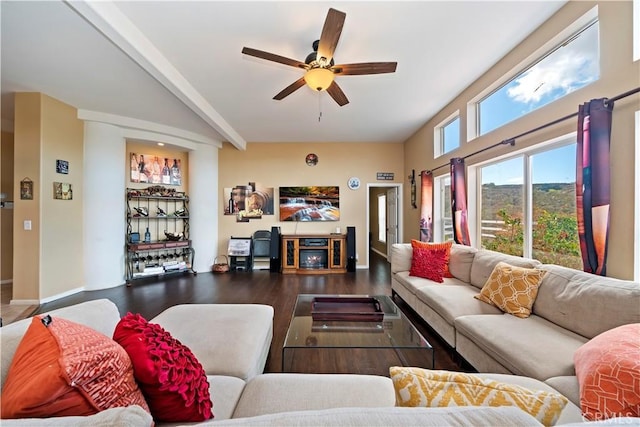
<point>447,135</point>
<point>443,222</point>
<point>570,65</point>
<point>528,205</point>
<point>636,274</point>
<point>382,218</point>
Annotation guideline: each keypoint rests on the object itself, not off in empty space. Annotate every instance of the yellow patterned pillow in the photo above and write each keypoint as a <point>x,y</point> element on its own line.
<point>512,289</point>
<point>417,387</point>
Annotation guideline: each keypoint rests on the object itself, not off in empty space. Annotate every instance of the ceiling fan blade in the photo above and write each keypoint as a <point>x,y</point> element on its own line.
<point>337,94</point>
<point>330,34</point>
<point>290,89</point>
<point>365,68</point>
<point>273,57</point>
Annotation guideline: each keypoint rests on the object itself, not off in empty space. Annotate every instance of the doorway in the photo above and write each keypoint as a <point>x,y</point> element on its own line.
<point>384,224</point>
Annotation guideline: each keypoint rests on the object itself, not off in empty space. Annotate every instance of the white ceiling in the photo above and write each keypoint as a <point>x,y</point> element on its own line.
<point>179,63</point>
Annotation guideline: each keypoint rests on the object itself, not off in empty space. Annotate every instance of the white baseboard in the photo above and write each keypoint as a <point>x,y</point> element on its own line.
<point>62,295</point>
<point>379,253</point>
<point>24,302</point>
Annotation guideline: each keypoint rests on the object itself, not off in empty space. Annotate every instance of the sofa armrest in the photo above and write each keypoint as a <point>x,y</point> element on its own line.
<point>227,339</point>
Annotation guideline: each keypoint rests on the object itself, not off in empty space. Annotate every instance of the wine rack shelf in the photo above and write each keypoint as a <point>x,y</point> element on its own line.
<point>157,239</point>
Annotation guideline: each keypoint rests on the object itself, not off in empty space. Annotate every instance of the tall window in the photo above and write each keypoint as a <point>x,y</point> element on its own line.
<point>443,220</point>
<point>382,217</point>
<point>572,64</point>
<point>528,205</point>
<point>447,135</point>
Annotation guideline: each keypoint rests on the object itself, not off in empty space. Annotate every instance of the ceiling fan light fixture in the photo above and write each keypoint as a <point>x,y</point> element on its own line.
<point>319,79</point>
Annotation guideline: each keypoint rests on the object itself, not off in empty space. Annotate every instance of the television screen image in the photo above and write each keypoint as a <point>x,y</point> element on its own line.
<point>310,203</point>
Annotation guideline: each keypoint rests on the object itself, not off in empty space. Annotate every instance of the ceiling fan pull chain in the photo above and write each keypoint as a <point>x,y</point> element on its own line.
<point>319,106</point>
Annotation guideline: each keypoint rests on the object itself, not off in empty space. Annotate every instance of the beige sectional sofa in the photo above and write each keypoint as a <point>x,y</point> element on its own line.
<point>571,308</point>
<point>232,342</point>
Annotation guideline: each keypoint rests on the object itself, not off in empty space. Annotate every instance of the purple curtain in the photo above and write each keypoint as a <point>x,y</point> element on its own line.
<point>593,183</point>
<point>459,202</point>
<point>426,206</point>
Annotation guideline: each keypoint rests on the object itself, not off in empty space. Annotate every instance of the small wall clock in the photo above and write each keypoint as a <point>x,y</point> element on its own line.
<point>311,159</point>
<point>354,183</point>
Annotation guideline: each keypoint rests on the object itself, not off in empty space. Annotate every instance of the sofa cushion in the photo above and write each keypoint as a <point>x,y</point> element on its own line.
<point>532,347</point>
<point>250,325</point>
<point>227,391</point>
<point>127,416</point>
<point>454,301</point>
<point>484,261</point>
<point>512,289</point>
<point>297,392</point>
<point>608,371</point>
<point>583,302</point>
<point>429,263</point>
<point>436,246</point>
<point>401,257</point>
<point>460,261</point>
<point>62,368</point>
<point>170,376</point>
<point>417,387</point>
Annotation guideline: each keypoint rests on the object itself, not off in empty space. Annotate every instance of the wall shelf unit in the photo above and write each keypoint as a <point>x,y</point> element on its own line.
<point>314,254</point>
<point>157,239</point>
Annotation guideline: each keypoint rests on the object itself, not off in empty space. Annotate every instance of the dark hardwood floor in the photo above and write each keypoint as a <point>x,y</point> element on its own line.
<point>149,298</point>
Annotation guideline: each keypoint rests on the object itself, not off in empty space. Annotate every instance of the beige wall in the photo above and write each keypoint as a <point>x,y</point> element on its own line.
<point>47,130</point>
<point>618,74</point>
<point>6,215</point>
<point>283,164</point>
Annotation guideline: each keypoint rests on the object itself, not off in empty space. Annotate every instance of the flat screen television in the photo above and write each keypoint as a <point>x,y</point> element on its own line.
<point>310,203</point>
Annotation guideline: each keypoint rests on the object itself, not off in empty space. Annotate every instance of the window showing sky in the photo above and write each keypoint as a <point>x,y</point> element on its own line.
<point>451,135</point>
<point>554,166</point>
<point>571,66</point>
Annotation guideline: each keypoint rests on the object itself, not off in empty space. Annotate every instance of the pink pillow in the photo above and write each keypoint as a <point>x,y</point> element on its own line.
<point>608,371</point>
<point>62,368</point>
<point>168,373</point>
<point>429,263</point>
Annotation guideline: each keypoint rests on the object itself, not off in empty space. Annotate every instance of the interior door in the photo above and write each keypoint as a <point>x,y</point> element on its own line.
<point>392,219</point>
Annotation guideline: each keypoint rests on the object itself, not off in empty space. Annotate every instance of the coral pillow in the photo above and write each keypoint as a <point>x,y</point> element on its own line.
<point>608,371</point>
<point>62,368</point>
<point>428,264</point>
<point>512,289</point>
<point>170,376</point>
<point>417,387</point>
<point>426,245</point>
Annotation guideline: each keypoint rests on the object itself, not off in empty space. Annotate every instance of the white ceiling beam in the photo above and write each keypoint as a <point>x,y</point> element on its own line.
<point>110,21</point>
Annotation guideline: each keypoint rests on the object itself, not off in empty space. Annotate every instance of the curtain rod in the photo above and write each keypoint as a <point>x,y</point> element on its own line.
<point>512,141</point>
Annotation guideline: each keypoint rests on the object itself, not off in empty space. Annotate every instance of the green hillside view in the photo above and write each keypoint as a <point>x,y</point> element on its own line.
<point>555,227</point>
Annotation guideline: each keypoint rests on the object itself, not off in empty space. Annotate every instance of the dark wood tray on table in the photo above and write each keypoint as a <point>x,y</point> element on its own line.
<point>352,309</point>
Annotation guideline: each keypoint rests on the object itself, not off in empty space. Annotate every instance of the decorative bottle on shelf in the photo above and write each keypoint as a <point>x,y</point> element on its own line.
<point>147,236</point>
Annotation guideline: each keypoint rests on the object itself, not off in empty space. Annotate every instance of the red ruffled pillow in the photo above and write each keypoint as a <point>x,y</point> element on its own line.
<point>168,373</point>
<point>436,246</point>
<point>428,263</point>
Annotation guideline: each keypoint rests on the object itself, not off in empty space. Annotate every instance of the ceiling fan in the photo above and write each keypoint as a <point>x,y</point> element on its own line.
<point>319,64</point>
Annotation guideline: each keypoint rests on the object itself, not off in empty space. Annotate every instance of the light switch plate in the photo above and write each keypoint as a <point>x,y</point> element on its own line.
<point>27,224</point>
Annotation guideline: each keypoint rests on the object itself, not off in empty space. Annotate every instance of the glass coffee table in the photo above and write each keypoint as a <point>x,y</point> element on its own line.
<point>382,338</point>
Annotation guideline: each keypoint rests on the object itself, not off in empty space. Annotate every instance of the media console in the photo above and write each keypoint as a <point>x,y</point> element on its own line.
<point>314,254</point>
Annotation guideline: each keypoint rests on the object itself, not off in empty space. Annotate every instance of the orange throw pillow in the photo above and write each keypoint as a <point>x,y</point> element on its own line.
<point>62,368</point>
<point>608,371</point>
<point>436,246</point>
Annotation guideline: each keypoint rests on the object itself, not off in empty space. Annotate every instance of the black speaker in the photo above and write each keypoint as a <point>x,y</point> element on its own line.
<point>274,251</point>
<point>351,249</point>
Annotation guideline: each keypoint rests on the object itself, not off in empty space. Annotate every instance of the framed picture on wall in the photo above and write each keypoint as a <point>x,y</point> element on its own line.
<point>26,189</point>
<point>155,169</point>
